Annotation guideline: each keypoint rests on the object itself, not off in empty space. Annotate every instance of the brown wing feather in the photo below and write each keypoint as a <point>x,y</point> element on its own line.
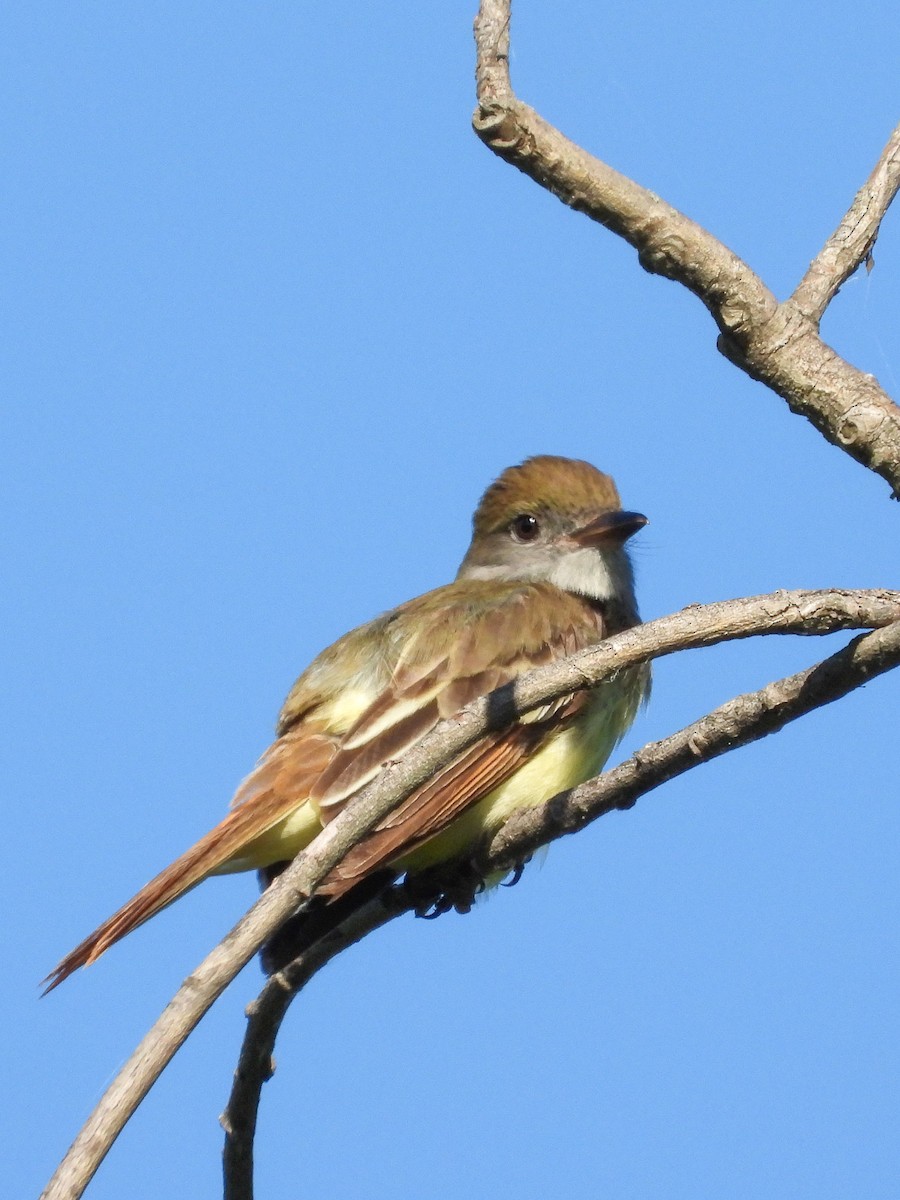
<point>351,769</point>
<point>281,780</point>
<point>498,643</point>
<point>432,809</point>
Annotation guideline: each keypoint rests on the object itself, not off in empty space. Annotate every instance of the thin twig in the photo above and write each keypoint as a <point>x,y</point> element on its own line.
<point>777,344</point>
<point>738,722</point>
<point>806,612</point>
<point>851,243</point>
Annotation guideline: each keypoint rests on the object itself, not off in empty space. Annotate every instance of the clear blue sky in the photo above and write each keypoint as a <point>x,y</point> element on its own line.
<point>273,319</point>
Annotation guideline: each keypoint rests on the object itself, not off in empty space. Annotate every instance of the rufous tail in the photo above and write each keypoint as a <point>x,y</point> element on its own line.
<point>212,851</point>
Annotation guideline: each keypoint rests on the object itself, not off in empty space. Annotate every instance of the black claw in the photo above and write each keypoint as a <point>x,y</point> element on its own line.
<point>518,872</point>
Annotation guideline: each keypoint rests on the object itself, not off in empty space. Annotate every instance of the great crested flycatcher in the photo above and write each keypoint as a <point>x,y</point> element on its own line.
<point>546,574</point>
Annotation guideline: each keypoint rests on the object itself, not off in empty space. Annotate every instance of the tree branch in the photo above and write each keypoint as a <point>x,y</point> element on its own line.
<point>805,612</point>
<point>737,723</point>
<point>852,241</point>
<point>264,1017</point>
<point>744,719</point>
<point>777,344</point>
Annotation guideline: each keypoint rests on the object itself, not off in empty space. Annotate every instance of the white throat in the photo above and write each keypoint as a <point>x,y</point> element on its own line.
<point>598,576</point>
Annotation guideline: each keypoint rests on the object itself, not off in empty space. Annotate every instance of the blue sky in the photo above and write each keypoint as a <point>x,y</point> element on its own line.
<point>274,319</point>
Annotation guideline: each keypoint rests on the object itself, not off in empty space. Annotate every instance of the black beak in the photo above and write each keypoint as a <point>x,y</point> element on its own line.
<point>609,529</point>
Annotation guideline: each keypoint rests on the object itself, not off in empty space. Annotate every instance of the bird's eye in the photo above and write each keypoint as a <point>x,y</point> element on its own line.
<point>524,527</point>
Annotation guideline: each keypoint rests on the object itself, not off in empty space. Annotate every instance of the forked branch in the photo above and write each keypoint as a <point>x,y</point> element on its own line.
<point>777,344</point>
<point>802,612</point>
<point>740,721</point>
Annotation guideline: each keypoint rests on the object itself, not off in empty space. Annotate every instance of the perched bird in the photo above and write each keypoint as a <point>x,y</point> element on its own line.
<point>545,575</point>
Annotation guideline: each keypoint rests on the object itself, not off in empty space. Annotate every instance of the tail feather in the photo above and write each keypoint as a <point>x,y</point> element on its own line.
<point>279,785</point>
<point>222,843</point>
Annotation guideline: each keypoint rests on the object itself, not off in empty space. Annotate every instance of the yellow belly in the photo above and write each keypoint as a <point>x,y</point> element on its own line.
<point>566,759</point>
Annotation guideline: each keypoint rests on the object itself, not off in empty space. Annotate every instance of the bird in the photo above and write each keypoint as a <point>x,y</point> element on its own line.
<point>546,574</point>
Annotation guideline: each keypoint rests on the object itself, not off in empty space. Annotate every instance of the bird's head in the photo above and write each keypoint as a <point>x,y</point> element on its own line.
<point>554,520</point>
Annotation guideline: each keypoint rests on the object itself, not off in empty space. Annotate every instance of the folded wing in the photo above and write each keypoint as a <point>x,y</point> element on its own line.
<point>458,653</point>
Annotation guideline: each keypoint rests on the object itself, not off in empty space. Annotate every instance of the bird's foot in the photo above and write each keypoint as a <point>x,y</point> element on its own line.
<point>448,888</point>
<point>453,887</point>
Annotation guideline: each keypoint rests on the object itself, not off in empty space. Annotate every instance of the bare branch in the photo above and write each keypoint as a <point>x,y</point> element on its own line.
<point>740,721</point>
<point>668,242</point>
<point>744,719</point>
<point>851,243</point>
<point>264,1017</point>
<point>777,344</point>
<point>807,612</point>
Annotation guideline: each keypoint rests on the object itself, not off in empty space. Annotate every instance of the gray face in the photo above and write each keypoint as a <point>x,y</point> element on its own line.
<point>544,548</point>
